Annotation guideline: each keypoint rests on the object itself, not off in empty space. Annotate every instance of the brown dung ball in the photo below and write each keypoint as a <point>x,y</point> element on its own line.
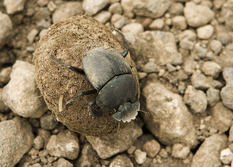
<point>69,41</point>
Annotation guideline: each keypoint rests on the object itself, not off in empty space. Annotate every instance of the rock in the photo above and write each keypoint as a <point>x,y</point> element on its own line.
<point>107,146</point>
<point>190,66</point>
<point>169,119</point>
<point>32,34</point>
<point>3,107</point>
<point>205,32</point>
<point>222,117</point>
<point>59,84</point>
<point>64,163</point>
<point>213,96</point>
<point>157,24</point>
<point>208,153</point>
<point>134,28</point>
<point>6,29</point>
<point>196,99</point>
<point>121,160</point>
<point>118,20</point>
<point>179,22</point>
<point>13,6</point>
<point>199,81</point>
<point>211,68</point>
<point>180,151</point>
<point>103,16</point>
<point>226,156</point>
<point>176,8</point>
<point>194,14</point>
<point>152,148</point>
<point>65,144</point>
<point>67,10</point>
<point>227,91</point>
<point>161,46</point>
<point>127,6</point>
<point>150,8</point>
<point>45,136</point>
<point>16,139</point>
<point>47,121</point>
<point>51,6</point>
<point>38,142</point>
<point>140,156</point>
<point>21,93</point>
<point>216,46</point>
<point>91,7</point>
<point>88,157</point>
<point>5,76</point>
<point>115,8</point>
<point>188,35</point>
<point>186,44</point>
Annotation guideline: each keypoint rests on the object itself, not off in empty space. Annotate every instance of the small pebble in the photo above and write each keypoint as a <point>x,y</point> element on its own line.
<point>115,8</point>
<point>103,16</point>
<point>121,160</point>
<point>150,67</point>
<point>180,151</point>
<point>38,142</point>
<point>131,150</point>
<point>199,81</point>
<point>134,28</point>
<point>151,148</point>
<point>91,7</point>
<point>64,144</point>
<point>196,99</point>
<point>51,6</point>
<point>216,46</point>
<point>176,9</point>
<point>226,156</point>
<point>157,24</point>
<point>6,28</point>
<point>205,32</point>
<point>213,96</point>
<point>140,156</point>
<point>32,34</point>
<point>118,20</point>
<point>197,15</point>
<point>13,6</point>
<point>5,75</point>
<point>179,22</point>
<point>211,68</point>
<point>64,163</point>
<point>47,121</point>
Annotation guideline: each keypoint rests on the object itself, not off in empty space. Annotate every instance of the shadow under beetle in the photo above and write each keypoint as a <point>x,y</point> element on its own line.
<point>112,78</point>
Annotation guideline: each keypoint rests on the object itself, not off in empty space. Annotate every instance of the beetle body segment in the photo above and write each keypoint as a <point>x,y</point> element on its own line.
<point>101,65</point>
<point>120,89</point>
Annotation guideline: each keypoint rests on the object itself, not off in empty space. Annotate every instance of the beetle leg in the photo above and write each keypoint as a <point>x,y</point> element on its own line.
<point>125,52</point>
<point>90,110</point>
<point>81,94</point>
<point>75,69</point>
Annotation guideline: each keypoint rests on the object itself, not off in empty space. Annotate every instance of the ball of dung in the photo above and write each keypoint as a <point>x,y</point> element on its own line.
<point>69,41</point>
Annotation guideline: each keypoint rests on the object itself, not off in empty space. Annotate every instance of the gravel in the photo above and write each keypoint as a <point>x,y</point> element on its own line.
<point>183,53</point>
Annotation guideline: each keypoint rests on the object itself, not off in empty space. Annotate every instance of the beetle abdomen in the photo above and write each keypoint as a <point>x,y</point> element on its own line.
<point>120,89</point>
<point>100,65</point>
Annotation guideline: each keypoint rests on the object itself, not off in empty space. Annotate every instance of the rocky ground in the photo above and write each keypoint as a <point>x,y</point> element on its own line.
<point>183,51</point>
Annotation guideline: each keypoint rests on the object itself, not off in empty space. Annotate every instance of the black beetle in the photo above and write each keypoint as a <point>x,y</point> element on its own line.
<point>112,78</point>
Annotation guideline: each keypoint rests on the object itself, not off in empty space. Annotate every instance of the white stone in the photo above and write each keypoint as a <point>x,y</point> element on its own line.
<point>205,32</point>
<point>103,16</point>
<point>91,7</point>
<point>13,6</point>
<point>140,156</point>
<point>21,94</point>
<point>226,156</point>
<point>134,28</point>
<point>6,29</point>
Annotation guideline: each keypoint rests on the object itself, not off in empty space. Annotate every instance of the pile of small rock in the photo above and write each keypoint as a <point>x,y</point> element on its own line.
<point>183,52</point>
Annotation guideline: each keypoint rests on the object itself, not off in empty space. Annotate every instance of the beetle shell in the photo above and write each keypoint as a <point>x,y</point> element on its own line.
<point>120,89</point>
<point>101,65</point>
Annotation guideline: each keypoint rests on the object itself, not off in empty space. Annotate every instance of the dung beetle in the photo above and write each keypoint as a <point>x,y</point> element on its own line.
<point>111,76</point>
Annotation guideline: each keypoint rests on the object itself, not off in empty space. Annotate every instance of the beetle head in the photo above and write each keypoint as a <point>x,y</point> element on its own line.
<point>127,112</point>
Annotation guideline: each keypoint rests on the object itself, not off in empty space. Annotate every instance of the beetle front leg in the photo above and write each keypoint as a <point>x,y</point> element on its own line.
<point>81,94</point>
<point>75,69</point>
<point>125,52</point>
